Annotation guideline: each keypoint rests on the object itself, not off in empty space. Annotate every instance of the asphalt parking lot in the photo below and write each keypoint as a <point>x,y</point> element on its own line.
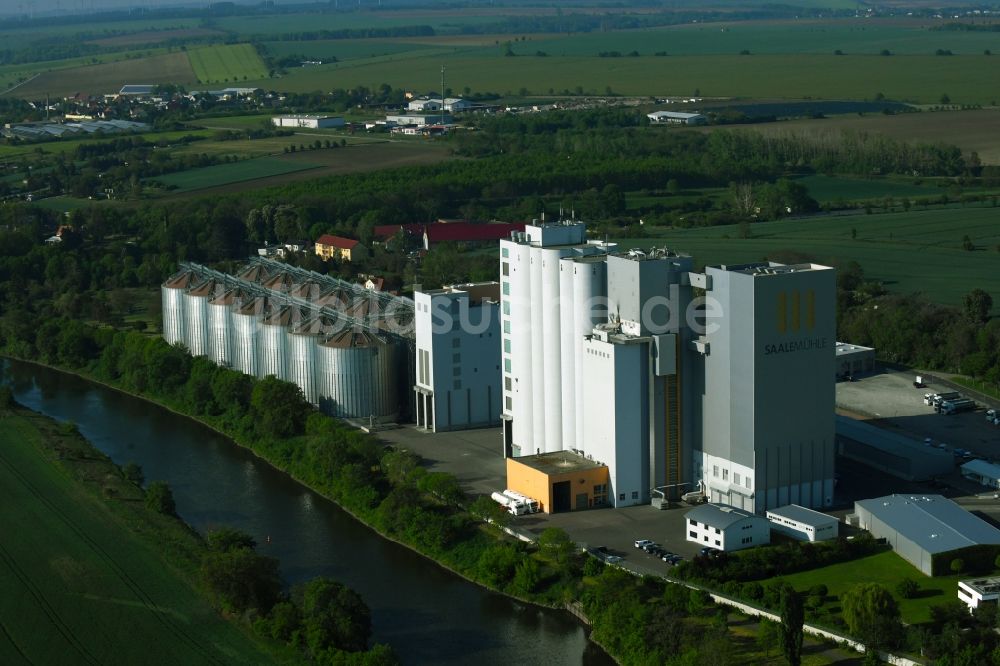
<point>890,400</point>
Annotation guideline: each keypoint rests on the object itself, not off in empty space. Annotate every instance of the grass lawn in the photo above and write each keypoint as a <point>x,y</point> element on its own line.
<point>69,145</point>
<point>223,174</point>
<point>886,569</point>
<point>80,583</point>
<point>892,247</point>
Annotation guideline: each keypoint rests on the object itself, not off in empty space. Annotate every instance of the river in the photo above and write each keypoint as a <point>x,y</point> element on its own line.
<point>427,614</point>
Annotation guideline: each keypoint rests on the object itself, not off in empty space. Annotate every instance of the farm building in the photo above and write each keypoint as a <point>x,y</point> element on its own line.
<point>133,90</point>
<point>973,593</point>
<point>890,452</point>
<point>559,480</point>
<point>726,527</point>
<point>803,524</point>
<point>417,119</point>
<point>310,122</point>
<point>922,528</point>
<point>982,472</point>
<point>854,360</point>
<point>676,118</point>
<point>468,232</point>
<point>335,247</point>
<point>451,104</point>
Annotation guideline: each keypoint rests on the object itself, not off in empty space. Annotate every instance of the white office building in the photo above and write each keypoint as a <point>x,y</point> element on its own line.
<point>974,593</point>
<point>458,357</point>
<point>726,527</point>
<point>803,524</point>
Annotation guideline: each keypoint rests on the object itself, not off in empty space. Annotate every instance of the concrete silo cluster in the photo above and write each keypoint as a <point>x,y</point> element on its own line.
<point>348,348</point>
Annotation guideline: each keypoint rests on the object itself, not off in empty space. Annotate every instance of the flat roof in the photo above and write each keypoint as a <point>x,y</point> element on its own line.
<point>800,514</point>
<point>982,468</point>
<point>984,586</point>
<point>888,441</point>
<point>933,522</point>
<point>848,348</point>
<point>769,268</point>
<point>718,515</point>
<point>558,462</point>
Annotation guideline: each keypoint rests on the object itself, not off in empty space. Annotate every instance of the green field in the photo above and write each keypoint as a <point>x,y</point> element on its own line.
<point>224,174</point>
<point>344,49</point>
<point>12,75</point>
<point>886,569</point>
<point>229,63</point>
<point>109,77</point>
<point>908,78</point>
<point>79,585</point>
<point>442,21</point>
<point>69,145</point>
<point>917,251</point>
<point>776,37</point>
<point>828,188</point>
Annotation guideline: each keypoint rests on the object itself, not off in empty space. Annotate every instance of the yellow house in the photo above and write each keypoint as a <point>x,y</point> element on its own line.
<point>335,247</point>
<point>560,481</point>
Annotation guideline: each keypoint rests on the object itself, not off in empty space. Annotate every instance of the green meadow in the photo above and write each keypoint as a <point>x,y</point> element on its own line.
<point>80,584</point>
<point>915,251</point>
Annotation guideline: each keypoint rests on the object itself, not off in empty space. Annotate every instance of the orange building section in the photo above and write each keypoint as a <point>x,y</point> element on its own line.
<point>560,481</point>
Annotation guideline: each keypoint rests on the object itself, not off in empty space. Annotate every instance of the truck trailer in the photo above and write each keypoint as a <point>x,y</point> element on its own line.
<point>935,399</point>
<point>956,406</point>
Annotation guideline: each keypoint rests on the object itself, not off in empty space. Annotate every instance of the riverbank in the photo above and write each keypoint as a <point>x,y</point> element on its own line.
<point>90,560</point>
<point>316,488</point>
<point>478,536</point>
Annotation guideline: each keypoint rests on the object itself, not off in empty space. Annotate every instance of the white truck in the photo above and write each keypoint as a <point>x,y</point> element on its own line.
<point>993,416</point>
<point>513,506</point>
<point>935,399</point>
<point>530,505</point>
<point>956,406</point>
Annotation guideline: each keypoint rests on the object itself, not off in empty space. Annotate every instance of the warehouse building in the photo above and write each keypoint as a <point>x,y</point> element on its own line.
<point>417,119</point>
<point>890,452</point>
<point>854,360</point>
<point>458,357</point>
<point>308,121</point>
<point>925,530</point>
<point>560,481</point>
<point>803,524</point>
<point>348,348</point>
<point>726,527</point>
<point>676,118</point>
<point>982,472</point>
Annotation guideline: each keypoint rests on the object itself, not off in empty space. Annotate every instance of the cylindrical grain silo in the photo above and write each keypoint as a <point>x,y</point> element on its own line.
<point>522,399</point>
<point>246,335</point>
<point>172,295</point>
<point>567,389</point>
<point>196,328</point>
<point>551,348</point>
<point>357,376</point>
<point>537,367</point>
<point>220,325</point>
<point>274,329</point>
<point>302,368</point>
<point>590,290</point>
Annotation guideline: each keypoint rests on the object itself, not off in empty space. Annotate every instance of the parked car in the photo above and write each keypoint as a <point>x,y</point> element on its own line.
<point>642,543</point>
<point>708,551</point>
<point>650,547</point>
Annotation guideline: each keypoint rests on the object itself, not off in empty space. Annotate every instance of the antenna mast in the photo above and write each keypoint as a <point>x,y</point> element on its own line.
<point>441,111</point>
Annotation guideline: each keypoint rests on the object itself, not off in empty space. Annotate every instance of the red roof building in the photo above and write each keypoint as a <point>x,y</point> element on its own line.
<point>468,232</point>
<point>335,247</point>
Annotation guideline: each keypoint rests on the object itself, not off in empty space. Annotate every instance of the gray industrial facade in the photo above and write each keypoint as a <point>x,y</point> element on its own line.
<point>767,397</point>
<point>732,395</point>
